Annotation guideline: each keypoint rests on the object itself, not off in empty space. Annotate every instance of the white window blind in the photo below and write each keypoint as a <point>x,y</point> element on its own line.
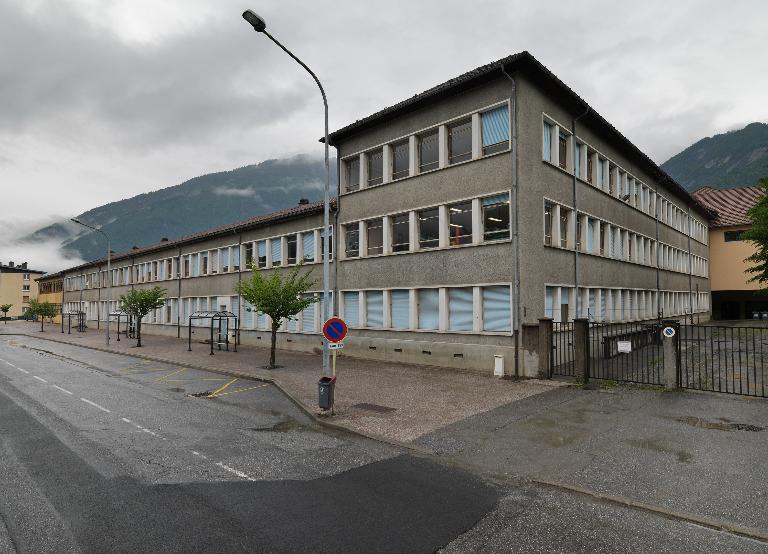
<point>400,308</point>
<point>352,308</point>
<point>374,306</point>
<point>308,316</point>
<point>276,251</point>
<point>497,315</point>
<point>308,243</point>
<point>428,308</point>
<point>460,309</point>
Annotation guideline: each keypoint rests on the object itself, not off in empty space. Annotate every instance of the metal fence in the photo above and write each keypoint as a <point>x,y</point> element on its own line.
<point>563,354</point>
<point>630,352</point>
<point>724,359</point>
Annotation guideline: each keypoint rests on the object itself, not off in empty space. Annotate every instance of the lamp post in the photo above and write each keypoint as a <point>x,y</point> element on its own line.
<point>260,26</point>
<point>109,267</point>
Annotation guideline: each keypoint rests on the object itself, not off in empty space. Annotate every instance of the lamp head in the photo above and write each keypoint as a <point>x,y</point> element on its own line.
<point>258,23</point>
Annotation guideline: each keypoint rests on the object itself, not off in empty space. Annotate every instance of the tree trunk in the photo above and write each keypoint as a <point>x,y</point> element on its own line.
<point>138,332</point>
<point>42,321</point>
<point>273,346</point>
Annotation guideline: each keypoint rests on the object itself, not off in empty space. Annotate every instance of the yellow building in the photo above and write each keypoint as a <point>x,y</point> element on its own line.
<point>17,286</point>
<point>52,290</point>
<point>733,296</point>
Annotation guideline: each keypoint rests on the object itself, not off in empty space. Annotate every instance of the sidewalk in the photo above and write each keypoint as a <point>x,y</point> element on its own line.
<point>407,401</point>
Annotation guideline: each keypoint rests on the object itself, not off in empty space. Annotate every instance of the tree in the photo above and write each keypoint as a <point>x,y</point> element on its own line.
<point>139,302</point>
<point>42,310</point>
<point>5,308</point>
<point>758,235</point>
<point>279,299</point>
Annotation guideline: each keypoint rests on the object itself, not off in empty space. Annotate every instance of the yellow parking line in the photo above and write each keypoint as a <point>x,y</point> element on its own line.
<point>213,395</point>
<point>171,374</point>
<point>217,391</point>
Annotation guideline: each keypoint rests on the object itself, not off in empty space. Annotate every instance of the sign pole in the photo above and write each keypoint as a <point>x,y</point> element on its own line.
<point>334,361</point>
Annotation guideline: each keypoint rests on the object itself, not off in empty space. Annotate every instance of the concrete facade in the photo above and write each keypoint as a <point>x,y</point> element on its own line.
<point>442,252</point>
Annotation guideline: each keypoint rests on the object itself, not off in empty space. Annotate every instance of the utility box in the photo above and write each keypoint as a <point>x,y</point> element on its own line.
<point>498,365</point>
<point>326,385</point>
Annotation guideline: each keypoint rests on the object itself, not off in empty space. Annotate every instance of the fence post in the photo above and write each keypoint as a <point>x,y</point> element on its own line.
<point>545,348</point>
<point>581,349</point>
<point>670,346</point>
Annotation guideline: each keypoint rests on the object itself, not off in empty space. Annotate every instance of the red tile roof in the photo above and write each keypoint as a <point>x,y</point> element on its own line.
<point>730,206</point>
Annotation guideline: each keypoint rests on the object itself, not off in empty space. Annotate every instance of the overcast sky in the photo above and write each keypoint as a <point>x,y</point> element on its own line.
<point>104,99</point>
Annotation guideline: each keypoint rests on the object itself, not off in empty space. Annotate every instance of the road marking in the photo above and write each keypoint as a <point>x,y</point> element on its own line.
<point>203,456</point>
<point>125,419</point>
<point>23,370</point>
<point>213,395</point>
<point>217,391</point>
<point>102,408</point>
<point>9,363</point>
<point>40,379</point>
<point>234,471</point>
<point>170,374</point>
<point>150,432</point>
<point>61,389</point>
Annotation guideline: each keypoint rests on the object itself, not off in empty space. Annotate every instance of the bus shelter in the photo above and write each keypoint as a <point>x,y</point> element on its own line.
<point>128,321</point>
<point>219,323</point>
<point>79,318</point>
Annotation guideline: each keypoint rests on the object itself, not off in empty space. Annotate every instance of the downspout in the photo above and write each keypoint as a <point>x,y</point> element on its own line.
<point>178,299</point>
<point>98,298</point>
<point>239,278</point>
<point>516,226</point>
<point>690,268</point>
<point>336,234</point>
<point>576,215</point>
<point>657,203</point>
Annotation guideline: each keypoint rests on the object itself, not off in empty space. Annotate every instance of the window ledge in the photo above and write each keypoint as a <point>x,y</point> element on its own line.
<point>424,250</point>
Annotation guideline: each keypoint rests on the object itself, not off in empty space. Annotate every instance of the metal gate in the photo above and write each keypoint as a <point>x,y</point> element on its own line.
<point>628,352</point>
<point>562,360</point>
<point>723,359</point>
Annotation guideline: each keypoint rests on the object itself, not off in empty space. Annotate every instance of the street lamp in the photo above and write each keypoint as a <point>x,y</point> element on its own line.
<point>109,267</point>
<point>260,26</point>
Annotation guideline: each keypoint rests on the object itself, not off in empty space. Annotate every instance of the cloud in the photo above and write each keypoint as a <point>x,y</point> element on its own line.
<point>44,255</point>
<point>247,192</point>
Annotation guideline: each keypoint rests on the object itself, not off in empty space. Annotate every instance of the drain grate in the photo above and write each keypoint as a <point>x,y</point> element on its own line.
<point>374,408</point>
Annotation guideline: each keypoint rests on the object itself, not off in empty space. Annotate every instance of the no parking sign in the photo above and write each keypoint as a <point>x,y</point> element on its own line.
<point>668,332</point>
<point>335,329</point>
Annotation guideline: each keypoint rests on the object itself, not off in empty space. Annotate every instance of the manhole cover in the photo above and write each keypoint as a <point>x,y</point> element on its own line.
<point>374,408</point>
<point>200,394</point>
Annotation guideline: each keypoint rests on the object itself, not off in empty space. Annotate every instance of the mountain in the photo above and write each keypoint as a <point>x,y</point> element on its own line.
<point>195,205</point>
<point>732,159</point>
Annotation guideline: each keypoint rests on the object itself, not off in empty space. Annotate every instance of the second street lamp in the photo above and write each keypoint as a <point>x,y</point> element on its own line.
<point>260,26</point>
<point>109,270</point>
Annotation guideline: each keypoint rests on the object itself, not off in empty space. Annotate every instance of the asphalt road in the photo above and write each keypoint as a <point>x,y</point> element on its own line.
<point>112,454</point>
<point>109,453</point>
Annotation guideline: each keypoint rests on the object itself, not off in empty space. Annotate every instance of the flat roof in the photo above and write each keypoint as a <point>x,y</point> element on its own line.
<point>525,63</point>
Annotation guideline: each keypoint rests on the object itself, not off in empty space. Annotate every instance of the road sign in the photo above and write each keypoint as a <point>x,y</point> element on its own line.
<point>335,329</point>
<point>336,345</point>
<point>668,332</point>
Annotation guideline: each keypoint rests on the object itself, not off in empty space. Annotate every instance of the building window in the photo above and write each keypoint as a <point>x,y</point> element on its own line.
<point>330,244</point>
<point>374,236</point>
<point>168,269</point>
<point>248,257</point>
<point>548,224</point>
<point>589,167</point>
<point>291,246</point>
<point>25,300</point>
<point>400,160</point>
<point>429,228</point>
<point>400,302</point>
<point>577,160</point>
<point>562,149</point>
<point>604,240</point>
<point>496,309</point>
<point>547,142</point>
<point>495,127</point>
<point>353,174</point>
<point>496,217</point>
<point>261,252</point>
<point>375,167</point>
<point>308,316</point>
<point>460,142</point>
<point>308,244</point>
<point>611,180</point>
<point>428,308</point>
<point>601,173</point>
<point>186,266</point>
<point>236,258</point>
<point>579,230</point>
<point>460,223</point>
<point>26,276</point>
<point>733,236</point>
<point>352,308</point>
<point>460,308</point>
<point>374,308</point>
<point>400,233</point>
<point>25,288</point>
<point>429,155</point>
<point>277,251</point>
<point>352,249</point>
<point>564,227</point>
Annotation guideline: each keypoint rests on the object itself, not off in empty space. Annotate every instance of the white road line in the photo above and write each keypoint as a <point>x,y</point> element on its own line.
<point>61,389</point>
<point>23,370</point>
<point>9,363</point>
<point>151,432</point>
<point>125,419</point>
<point>203,456</point>
<point>234,471</point>
<point>40,379</point>
<point>102,408</point>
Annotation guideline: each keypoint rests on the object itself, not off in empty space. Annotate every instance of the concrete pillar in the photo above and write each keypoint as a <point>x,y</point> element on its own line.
<point>386,298</point>
<point>614,174</point>
<point>363,171</point>
<point>556,303</point>
<point>268,243</point>
<point>545,347</point>
<point>443,223</point>
<point>571,242</point>
<point>581,349</point>
<point>569,153</point>
<point>477,309</point>
<point>555,225</point>
<point>361,312</point>
<point>554,140</point>
<point>477,138</point>
<point>387,234</point>
<point>583,161</point>
<point>595,168</point>
<point>363,238</point>
<point>283,252</point>
<point>477,221</point>
<point>413,309</point>
<point>584,302</point>
<point>413,155</point>
<point>443,308</point>
<point>670,347</point>
<point>386,159</point>
<point>442,146</point>
<point>413,231</point>
<point>598,304</point>
<point>585,232</point>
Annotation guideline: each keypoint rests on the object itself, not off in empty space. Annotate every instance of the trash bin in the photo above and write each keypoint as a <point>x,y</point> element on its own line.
<point>325,388</point>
